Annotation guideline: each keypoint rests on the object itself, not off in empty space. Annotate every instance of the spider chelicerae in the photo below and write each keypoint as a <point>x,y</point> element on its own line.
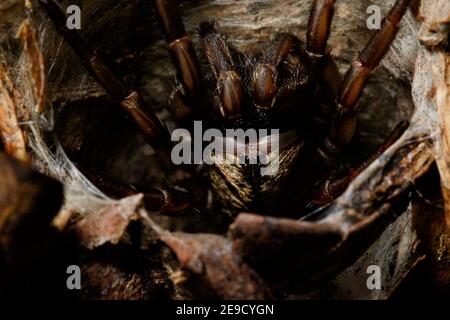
<point>290,85</point>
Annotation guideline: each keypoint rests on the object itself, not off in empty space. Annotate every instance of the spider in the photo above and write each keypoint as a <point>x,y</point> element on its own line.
<point>291,86</point>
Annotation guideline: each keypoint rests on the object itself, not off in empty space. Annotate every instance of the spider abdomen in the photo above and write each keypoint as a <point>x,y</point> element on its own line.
<point>242,186</point>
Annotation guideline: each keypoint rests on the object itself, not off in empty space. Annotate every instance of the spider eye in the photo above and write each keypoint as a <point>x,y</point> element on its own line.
<point>265,86</point>
<point>231,94</point>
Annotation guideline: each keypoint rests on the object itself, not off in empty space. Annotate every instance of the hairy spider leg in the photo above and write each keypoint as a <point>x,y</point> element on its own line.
<point>319,23</point>
<point>166,200</point>
<point>266,75</point>
<point>344,118</point>
<point>154,131</point>
<point>350,90</point>
<point>323,66</point>
<point>333,187</point>
<point>184,58</point>
<point>228,80</point>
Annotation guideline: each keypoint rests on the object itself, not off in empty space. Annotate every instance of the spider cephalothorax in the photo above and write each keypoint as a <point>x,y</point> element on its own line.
<point>259,89</point>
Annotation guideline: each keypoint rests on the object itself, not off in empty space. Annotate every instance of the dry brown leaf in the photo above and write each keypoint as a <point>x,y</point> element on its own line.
<point>109,224</point>
<point>10,131</point>
<point>31,48</point>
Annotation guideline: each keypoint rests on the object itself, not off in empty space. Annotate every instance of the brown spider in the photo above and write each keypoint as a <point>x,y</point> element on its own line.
<point>289,86</point>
